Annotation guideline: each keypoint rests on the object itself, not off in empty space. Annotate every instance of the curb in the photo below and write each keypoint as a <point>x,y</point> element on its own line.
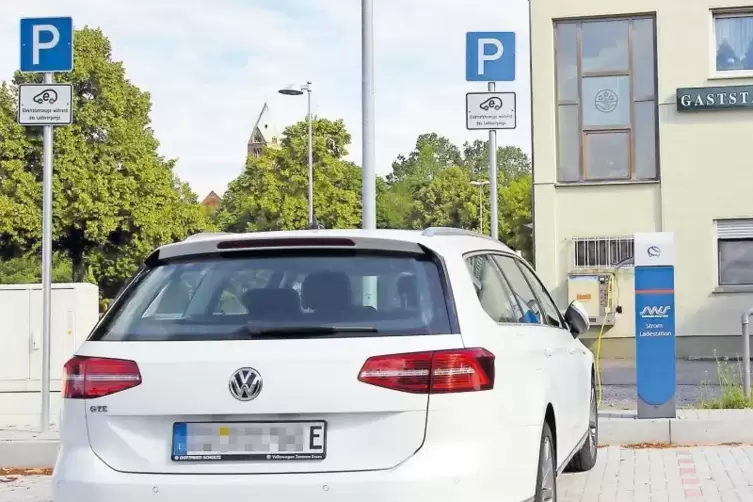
<point>691,427</point>
<point>28,454</point>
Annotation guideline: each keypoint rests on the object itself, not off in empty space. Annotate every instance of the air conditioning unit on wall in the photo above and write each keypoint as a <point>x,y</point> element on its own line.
<point>592,291</point>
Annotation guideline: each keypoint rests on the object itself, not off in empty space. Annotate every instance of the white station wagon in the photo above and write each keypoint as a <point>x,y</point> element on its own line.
<point>329,365</point>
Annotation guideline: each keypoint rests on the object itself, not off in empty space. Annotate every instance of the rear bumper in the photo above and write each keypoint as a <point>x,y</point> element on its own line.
<point>80,476</point>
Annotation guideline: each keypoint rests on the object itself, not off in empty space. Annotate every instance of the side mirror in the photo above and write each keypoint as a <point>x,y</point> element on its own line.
<point>577,319</point>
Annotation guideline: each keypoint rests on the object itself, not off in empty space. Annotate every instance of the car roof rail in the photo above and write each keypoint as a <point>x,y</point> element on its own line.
<point>432,231</point>
<point>436,231</point>
<point>204,234</point>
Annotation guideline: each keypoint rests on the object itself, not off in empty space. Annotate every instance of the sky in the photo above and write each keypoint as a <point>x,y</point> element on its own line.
<point>211,66</point>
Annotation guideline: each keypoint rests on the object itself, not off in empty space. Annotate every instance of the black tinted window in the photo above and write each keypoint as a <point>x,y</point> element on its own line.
<point>227,298</point>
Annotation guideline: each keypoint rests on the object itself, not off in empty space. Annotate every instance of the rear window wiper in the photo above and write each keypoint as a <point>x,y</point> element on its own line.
<point>305,331</point>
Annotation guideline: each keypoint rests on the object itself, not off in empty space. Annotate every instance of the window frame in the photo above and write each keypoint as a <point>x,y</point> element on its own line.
<point>584,132</point>
<point>715,14</point>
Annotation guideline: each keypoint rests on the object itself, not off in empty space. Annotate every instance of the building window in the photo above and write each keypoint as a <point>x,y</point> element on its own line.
<point>735,249</point>
<point>602,252</point>
<point>606,100</point>
<point>733,33</point>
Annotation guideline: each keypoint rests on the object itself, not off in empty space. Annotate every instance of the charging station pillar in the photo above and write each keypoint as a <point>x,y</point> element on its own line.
<point>655,349</point>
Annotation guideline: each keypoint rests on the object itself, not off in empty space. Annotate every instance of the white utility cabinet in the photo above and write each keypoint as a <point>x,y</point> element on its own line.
<point>74,312</point>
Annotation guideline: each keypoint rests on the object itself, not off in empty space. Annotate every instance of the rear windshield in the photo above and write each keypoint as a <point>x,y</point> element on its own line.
<point>352,294</point>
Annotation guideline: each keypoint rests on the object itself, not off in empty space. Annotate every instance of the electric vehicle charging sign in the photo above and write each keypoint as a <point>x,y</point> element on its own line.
<point>655,349</point>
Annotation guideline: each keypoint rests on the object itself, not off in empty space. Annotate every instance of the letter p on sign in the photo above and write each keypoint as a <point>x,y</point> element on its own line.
<point>47,44</point>
<point>490,57</point>
<point>483,57</point>
<point>36,43</point>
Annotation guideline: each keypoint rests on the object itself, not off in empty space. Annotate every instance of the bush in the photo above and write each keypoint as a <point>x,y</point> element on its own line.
<point>27,269</point>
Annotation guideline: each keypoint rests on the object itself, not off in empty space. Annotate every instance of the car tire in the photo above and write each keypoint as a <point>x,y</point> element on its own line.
<point>546,474</point>
<point>585,459</point>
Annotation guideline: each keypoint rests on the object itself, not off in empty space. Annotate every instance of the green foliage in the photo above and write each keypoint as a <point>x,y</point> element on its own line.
<point>115,197</point>
<point>271,193</point>
<point>27,269</point>
<point>20,217</point>
<point>431,186</point>
<point>731,394</point>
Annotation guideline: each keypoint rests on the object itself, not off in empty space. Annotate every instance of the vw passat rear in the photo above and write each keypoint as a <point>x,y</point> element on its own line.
<point>317,366</point>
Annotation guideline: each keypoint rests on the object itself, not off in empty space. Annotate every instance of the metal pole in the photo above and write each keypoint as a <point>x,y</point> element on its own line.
<point>368,173</point>
<point>46,269</point>
<point>494,221</point>
<point>746,351</point>
<point>481,208</point>
<point>311,160</point>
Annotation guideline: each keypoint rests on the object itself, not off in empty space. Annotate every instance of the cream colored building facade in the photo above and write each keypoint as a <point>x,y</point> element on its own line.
<point>614,154</point>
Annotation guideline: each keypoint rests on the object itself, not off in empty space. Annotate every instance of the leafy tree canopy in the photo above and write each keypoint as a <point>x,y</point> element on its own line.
<point>115,197</point>
<point>271,193</point>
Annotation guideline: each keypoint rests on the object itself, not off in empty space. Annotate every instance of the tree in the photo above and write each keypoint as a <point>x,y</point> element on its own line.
<point>515,213</point>
<point>20,212</point>
<point>394,204</point>
<point>432,154</point>
<point>271,193</point>
<point>115,197</point>
<point>432,186</point>
<point>26,269</point>
<point>447,200</point>
<point>512,162</point>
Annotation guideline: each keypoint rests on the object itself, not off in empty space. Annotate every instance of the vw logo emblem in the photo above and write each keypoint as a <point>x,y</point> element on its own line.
<point>653,251</point>
<point>245,384</point>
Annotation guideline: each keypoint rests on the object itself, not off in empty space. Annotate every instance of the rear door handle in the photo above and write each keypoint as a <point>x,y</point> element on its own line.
<point>548,352</point>
<point>575,350</point>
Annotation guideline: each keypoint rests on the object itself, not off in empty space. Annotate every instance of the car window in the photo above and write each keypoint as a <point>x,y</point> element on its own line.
<point>492,290</point>
<point>521,289</point>
<point>226,298</point>
<point>552,315</point>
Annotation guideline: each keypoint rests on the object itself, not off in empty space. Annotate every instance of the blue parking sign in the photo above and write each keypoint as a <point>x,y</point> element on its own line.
<point>490,56</point>
<point>47,44</point>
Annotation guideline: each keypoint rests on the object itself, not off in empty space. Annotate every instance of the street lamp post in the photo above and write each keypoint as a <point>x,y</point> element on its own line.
<point>297,90</point>
<point>480,185</point>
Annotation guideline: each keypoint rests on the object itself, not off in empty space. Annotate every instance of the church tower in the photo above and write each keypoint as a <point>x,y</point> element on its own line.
<point>264,134</point>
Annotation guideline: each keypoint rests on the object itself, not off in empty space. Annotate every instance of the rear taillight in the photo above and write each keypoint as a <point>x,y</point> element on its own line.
<point>92,377</point>
<point>437,372</point>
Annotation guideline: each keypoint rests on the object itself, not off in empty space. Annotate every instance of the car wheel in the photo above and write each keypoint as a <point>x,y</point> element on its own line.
<point>585,459</point>
<point>546,479</point>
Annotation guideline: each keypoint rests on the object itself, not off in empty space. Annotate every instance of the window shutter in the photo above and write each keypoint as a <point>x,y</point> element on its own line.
<point>734,229</point>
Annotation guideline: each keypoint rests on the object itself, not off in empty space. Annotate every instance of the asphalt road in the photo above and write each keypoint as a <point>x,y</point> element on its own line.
<point>696,381</point>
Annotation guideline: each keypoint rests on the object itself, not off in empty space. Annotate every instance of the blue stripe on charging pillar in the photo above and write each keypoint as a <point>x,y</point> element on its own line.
<point>655,350</point>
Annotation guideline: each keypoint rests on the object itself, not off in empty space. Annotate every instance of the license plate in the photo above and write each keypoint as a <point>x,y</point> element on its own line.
<point>249,441</point>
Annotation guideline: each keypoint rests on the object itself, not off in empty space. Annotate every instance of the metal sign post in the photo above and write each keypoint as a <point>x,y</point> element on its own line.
<point>46,47</point>
<point>493,191</point>
<point>494,65</point>
<point>46,269</point>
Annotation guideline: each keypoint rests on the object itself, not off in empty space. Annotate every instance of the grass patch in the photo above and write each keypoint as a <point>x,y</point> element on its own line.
<point>731,392</point>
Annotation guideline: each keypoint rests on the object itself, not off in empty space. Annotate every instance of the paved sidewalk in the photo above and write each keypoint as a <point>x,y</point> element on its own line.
<point>711,474</point>
<point>706,474</point>
<point>691,427</point>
